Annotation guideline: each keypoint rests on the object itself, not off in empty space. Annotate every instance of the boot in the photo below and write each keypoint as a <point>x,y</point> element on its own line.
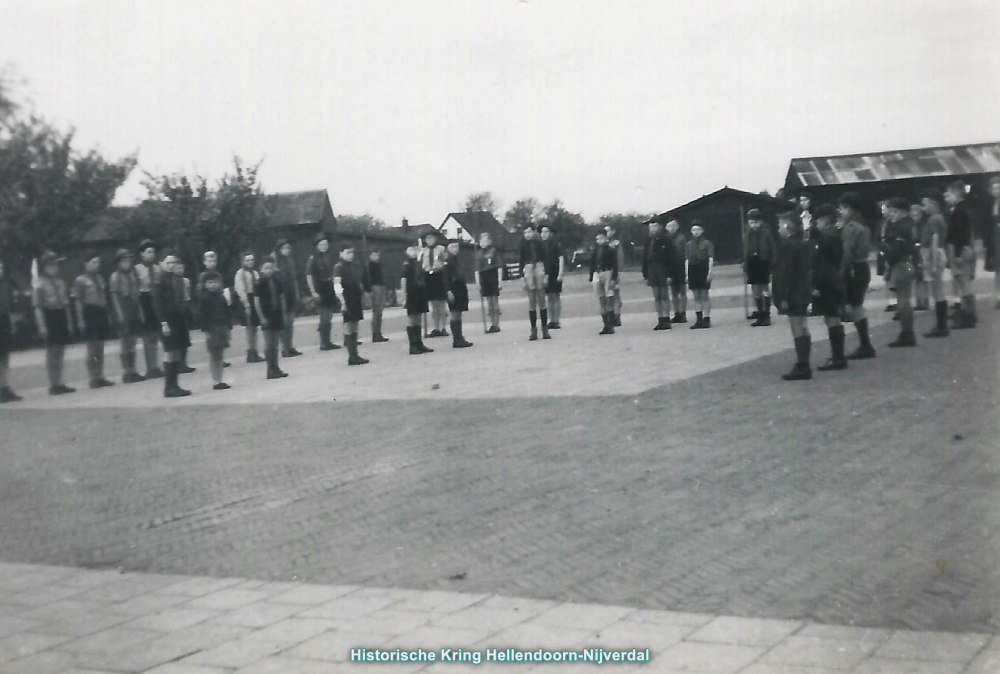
<point>764,319</point>
<point>184,368</point>
<point>706,322</point>
<point>965,319</point>
<point>155,373</point>
<point>254,357</point>
<point>412,336</point>
<point>420,340</point>
<point>7,395</point>
<point>906,338</point>
<point>941,328</point>
<point>493,329</point>
<point>697,325</point>
<point>545,324</point>
<point>837,360</point>
<point>662,323</point>
<point>616,320</point>
<point>533,317</point>
<point>801,370</point>
<point>273,370</point>
<point>171,387</point>
<point>377,338</point>
<point>608,321</point>
<point>457,338</point>
<point>352,350</point>
<point>759,310</point>
<point>865,350</point>
<point>324,338</point>
<point>681,317</point>
<point>890,308</point>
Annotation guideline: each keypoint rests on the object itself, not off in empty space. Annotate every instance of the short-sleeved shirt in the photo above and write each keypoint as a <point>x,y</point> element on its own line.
<point>551,254</point>
<point>700,250</point>
<point>935,224</point>
<point>149,275</point>
<point>244,283</point>
<point>680,246</point>
<point>268,292</point>
<point>124,284</point>
<point>319,267</point>
<point>489,264</point>
<point>349,273</point>
<point>960,227</point>
<point>412,273</point>
<point>857,242</point>
<point>50,293</point>
<point>530,252</point>
<point>89,289</point>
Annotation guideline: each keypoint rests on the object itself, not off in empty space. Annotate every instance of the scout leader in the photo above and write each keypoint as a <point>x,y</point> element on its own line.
<point>149,273</point>
<point>91,300</point>
<point>350,292</point>
<point>415,298</point>
<point>374,285</point>
<point>856,270</point>
<point>319,279</point>
<point>124,288</point>
<point>8,293</point>
<point>531,260</point>
<point>828,283</point>
<point>52,316</point>
<point>488,278</point>
<point>458,295</point>
<point>760,252</point>
<point>603,275</point>
<point>792,292</point>
<point>657,260</point>
<point>700,267</point>
<point>168,302</point>
<point>900,251</point>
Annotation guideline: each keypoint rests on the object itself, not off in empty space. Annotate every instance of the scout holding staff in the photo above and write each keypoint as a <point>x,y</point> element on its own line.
<point>374,285</point>
<point>488,279</point>
<point>285,262</point>
<point>657,261</point>
<point>900,250</point>
<point>216,323</point>
<point>458,295</point>
<point>350,292</point>
<point>828,283</point>
<point>935,260</point>
<point>961,255</point>
<point>554,265</point>
<point>269,307</point>
<point>149,275</point>
<point>616,245</point>
<point>168,302</point>
<point>319,278</point>
<point>700,256</point>
<point>856,271</point>
<point>8,293</point>
<point>91,300</point>
<point>604,275</point>
<point>415,298</point>
<point>244,285</point>
<point>531,260</point>
<point>792,291</point>
<point>52,316</point>
<point>760,252</point>
<point>435,283</point>
<point>678,272</point>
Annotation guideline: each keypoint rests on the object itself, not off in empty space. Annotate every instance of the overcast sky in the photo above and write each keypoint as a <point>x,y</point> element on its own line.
<point>404,108</point>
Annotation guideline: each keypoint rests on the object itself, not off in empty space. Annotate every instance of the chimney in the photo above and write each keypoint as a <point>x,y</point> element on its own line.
<point>406,226</point>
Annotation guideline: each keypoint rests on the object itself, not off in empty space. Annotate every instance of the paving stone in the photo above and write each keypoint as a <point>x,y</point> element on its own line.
<point>430,637</point>
<point>312,595</point>
<point>228,599</point>
<point>147,603</point>
<point>530,607</point>
<point>197,587</point>
<point>46,594</point>
<point>260,614</point>
<point>442,602</point>
<point>538,635</point>
<point>25,644</point>
<point>987,662</point>
<point>92,579</point>
<point>235,654</point>
<point>769,668</point>
<point>933,646</point>
<point>178,668</point>
<point>349,607</point>
<point>133,660</point>
<point>390,621</point>
<point>817,652</point>
<point>623,634</point>
<point>845,633</point>
<point>116,638</point>
<point>172,619</point>
<point>201,637</point>
<point>10,626</point>
<point>293,631</point>
<point>289,665</point>
<point>47,662</point>
<point>886,666</point>
<point>336,645</point>
<point>670,618</point>
<point>479,617</point>
<point>744,631</point>
<point>61,610</point>
<point>82,624</point>
<point>582,616</point>
<point>710,658</point>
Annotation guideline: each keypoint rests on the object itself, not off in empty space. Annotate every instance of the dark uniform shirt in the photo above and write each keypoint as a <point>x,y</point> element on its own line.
<point>658,250</point>
<point>289,279</point>
<point>760,244</point>
<point>7,294</point>
<point>790,282</point>
<point>899,242</point>
<point>214,311</point>
<point>960,227</point>
<point>680,247</point>
<point>269,292</point>
<point>551,254</point>
<point>529,252</point>
<point>349,273</point>
<point>168,296</point>
<point>373,275</point>
<point>413,272</point>
<point>319,267</point>
<point>700,250</point>
<point>828,260</point>
<point>604,258</point>
<point>489,264</point>
<point>453,272</point>
<point>857,242</point>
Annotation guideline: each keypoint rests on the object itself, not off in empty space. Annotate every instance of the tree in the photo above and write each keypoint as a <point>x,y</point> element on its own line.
<point>569,226</point>
<point>631,229</point>
<point>482,202</point>
<point>49,189</point>
<point>359,224</point>
<point>521,214</point>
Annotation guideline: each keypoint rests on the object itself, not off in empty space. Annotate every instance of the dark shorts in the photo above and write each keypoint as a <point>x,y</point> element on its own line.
<point>179,337</point>
<point>657,275</point>
<point>436,290</point>
<point>698,276</point>
<point>6,335</point>
<point>149,320</point>
<point>98,326</point>
<point>217,338</point>
<point>856,284</point>
<point>678,282</point>
<point>758,271</point>
<point>327,296</point>
<point>460,292</point>
<point>57,325</point>
<point>489,287</point>
<point>354,304</point>
<point>132,326</point>
<point>553,287</point>
<point>249,317</point>
<point>830,301</point>
<point>796,310</point>
<point>416,300</point>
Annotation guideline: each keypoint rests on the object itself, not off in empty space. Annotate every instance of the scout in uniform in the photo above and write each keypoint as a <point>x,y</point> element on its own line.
<point>991,235</point>
<point>700,256</point>
<point>900,251</point>
<point>319,278</point>
<point>920,286</point>
<point>216,323</point>
<point>149,272</point>
<point>269,306</point>
<point>812,235</point>
<point>961,254</point>
<point>554,263</point>
<point>760,252</point>
<point>52,315</point>
<point>792,292</point>
<point>8,293</point>
<point>856,271</point>
<point>91,299</point>
<point>488,279</point>
<point>531,260</point>
<point>603,274</point>
<point>210,261</point>
<point>436,283</point>
<point>374,284</point>
<point>350,292</point>
<point>935,259</point>
<point>458,295</point>
<point>182,366</point>
<point>415,298</point>
<point>881,268</point>
<point>678,272</point>
<point>290,284</point>
<point>616,245</point>
<point>244,285</point>
<point>828,283</point>
<point>657,260</point>
<point>124,289</point>
<point>168,300</point>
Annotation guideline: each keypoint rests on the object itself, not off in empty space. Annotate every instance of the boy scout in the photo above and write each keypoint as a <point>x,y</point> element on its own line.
<point>319,278</point>
<point>168,300</point>
<point>828,283</point>
<point>347,285</point>
<point>678,272</point>
<point>182,366</point>
<point>124,289</point>
<point>269,306</point>
<point>900,250</point>
<point>760,252</point>
<point>935,260</point>
<point>8,294</point>
<point>91,300</point>
<point>216,323</point>
<point>289,275</point>
<point>488,279</point>
<point>415,298</point>
<point>856,270</point>
<point>374,284</point>
<point>458,295</point>
<point>435,283</point>
<point>244,284</point>
<point>554,265</point>
<point>616,246</point>
<point>961,254</point>
<point>149,272</point>
<point>700,256</point>
<point>792,292</point>
<point>657,260</point>
<point>52,316</point>
<point>920,282</point>
<point>531,260</point>
<point>603,274</point>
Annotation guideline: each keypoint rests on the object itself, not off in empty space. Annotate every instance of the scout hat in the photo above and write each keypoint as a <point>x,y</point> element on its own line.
<point>121,254</point>
<point>754,214</point>
<point>851,200</point>
<point>826,211</point>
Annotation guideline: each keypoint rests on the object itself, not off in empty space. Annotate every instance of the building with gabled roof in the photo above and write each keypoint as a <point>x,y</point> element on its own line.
<point>292,210</point>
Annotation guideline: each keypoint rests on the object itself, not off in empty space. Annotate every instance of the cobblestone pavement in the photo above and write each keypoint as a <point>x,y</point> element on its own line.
<point>56,620</point>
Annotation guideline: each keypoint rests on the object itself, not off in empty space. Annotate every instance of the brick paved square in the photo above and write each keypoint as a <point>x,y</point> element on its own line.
<point>588,617</point>
<point>311,595</point>
<point>942,647</point>
<point>235,654</point>
<point>172,619</point>
<point>483,618</point>
<point>47,662</point>
<point>393,621</point>
<point>530,635</point>
<point>82,624</point>
<point>884,666</point>
<point>227,599</point>
<point>744,631</point>
<point>335,645</point>
<point>816,652</point>
<point>296,630</point>
<point>709,658</point>
<point>118,638</point>
<point>260,614</point>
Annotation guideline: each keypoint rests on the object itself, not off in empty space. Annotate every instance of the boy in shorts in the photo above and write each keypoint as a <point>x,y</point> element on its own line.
<point>415,298</point>
<point>531,259</point>
<point>168,299</point>
<point>351,293</point>
<point>124,289</point>
<point>554,263</point>
<point>657,259</point>
<point>91,300</point>
<point>961,255</point>
<point>216,323</point>
<point>458,295</point>
<point>488,278</point>
<point>856,270</point>
<point>700,266</point>
<point>828,283</point>
<point>603,275</point>
<point>760,252</point>
<point>792,292</point>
